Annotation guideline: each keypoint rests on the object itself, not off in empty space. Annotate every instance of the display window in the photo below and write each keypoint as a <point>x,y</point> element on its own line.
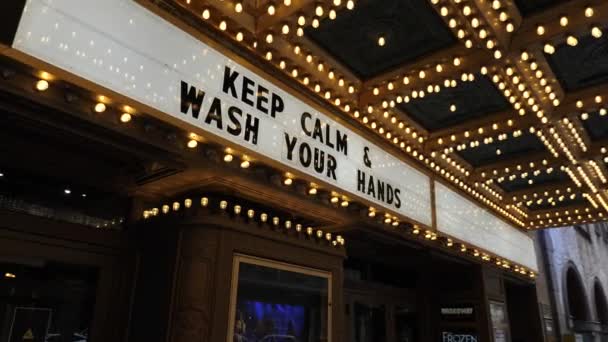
<point>278,302</point>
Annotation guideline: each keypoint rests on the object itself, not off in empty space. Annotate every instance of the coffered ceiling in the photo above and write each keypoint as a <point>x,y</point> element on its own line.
<point>505,100</point>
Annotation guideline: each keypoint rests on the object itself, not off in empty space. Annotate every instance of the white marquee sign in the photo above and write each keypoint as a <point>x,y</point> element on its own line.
<point>122,46</point>
<point>463,219</point>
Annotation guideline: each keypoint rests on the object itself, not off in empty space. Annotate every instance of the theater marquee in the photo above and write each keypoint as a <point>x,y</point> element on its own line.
<point>126,48</point>
<point>129,50</point>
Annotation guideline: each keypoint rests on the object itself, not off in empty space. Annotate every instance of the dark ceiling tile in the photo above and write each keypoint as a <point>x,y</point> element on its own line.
<point>486,154</point>
<point>557,176</point>
<point>527,7</point>
<point>583,65</point>
<point>597,126</point>
<point>411,28</point>
<point>472,100</point>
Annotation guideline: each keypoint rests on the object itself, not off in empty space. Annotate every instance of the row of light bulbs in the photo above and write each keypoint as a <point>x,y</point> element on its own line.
<point>463,248</point>
<point>409,86</point>
<point>237,209</point>
<point>536,70</point>
<point>509,171</point>
<point>99,107</point>
<point>570,39</point>
<point>467,11</point>
<point>570,220</point>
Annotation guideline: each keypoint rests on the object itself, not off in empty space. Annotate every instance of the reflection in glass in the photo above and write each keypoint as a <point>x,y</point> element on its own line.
<point>279,305</point>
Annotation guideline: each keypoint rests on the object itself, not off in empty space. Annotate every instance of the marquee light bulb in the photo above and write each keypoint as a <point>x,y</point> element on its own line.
<point>319,10</point>
<point>540,30</point>
<point>271,9</point>
<point>381,41</point>
<point>100,107</point>
<point>125,117</point>
<point>596,32</point>
<point>192,143</point>
<point>42,85</point>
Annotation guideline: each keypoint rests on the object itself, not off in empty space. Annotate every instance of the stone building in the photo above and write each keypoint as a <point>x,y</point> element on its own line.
<point>576,271</point>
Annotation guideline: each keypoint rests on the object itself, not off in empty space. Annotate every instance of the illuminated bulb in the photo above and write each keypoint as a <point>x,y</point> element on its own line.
<point>572,41</point>
<point>239,36</point>
<point>288,181</point>
<point>563,21</point>
<point>301,20</point>
<point>42,85</point>
<point>206,14</point>
<point>245,164</point>
<point>125,117</point>
<point>285,29</point>
<point>381,41</point>
<point>100,107</point>
<point>269,38</point>
<point>589,12</point>
<point>228,157</point>
<point>223,25</point>
<point>192,143</point>
<point>540,30</point>
<point>315,23</point>
<point>350,4</point>
<point>332,14</point>
<point>596,32</point>
<point>319,10</point>
<point>271,9</point>
<point>238,7</point>
<point>549,49</point>
<point>452,108</point>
